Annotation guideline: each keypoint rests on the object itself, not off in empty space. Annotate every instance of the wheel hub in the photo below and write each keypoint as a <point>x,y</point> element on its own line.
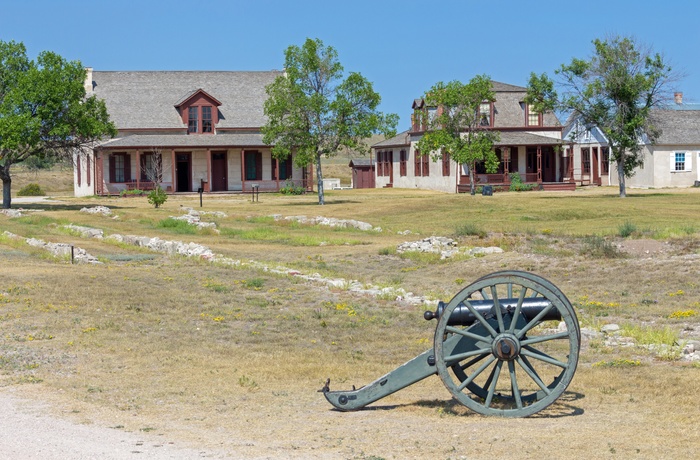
<point>506,347</point>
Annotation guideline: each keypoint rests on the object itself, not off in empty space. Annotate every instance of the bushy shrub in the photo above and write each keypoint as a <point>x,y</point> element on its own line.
<point>157,196</point>
<point>517,185</point>
<point>31,190</point>
<point>290,189</point>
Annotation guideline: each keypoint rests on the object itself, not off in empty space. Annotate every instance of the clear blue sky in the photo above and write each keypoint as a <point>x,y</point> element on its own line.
<point>403,47</point>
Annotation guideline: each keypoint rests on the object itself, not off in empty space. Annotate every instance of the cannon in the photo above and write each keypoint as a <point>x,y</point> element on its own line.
<point>506,345</point>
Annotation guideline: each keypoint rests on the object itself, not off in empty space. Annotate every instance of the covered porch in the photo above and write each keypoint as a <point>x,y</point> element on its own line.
<point>137,163</point>
<point>538,160</point>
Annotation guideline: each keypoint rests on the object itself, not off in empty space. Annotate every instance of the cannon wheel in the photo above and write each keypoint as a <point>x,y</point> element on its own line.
<point>537,364</point>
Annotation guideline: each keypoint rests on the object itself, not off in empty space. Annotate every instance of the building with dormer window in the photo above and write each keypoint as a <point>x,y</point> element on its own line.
<point>204,127</point>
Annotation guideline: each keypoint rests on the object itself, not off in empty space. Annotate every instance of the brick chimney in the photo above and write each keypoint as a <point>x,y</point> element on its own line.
<point>88,80</point>
<point>678,98</point>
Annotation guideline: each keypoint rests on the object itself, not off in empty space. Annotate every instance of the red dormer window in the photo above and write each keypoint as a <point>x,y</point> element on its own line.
<point>486,114</point>
<point>532,117</point>
<point>193,120</point>
<point>200,112</point>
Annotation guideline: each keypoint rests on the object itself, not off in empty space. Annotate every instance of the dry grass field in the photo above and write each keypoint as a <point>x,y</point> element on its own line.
<point>229,358</point>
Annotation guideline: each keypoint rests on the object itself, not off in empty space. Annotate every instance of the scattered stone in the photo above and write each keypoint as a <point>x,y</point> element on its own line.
<point>193,218</point>
<point>166,246</point>
<point>590,333</point>
<point>80,255</point>
<point>104,210</point>
<point>330,222</point>
<point>86,232</point>
<point>19,212</point>
<point>485,251</point>
<point>217,214</point>
<point>446,247</point>
<point>405,232</point>
<point>610,329</point>
<point>691,351</point>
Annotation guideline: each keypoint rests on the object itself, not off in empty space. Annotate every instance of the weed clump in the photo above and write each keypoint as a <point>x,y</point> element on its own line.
<point>599,248</point>
<point>626,229</point>
<point>31,190</point>
<point>470,229</point>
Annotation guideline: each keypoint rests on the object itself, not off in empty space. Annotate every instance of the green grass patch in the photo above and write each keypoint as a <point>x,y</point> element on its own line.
<point>648,335</point>
<point>619,362</point>
<point>177,226</point>
<point>470,229</point>
<point>277,235</point>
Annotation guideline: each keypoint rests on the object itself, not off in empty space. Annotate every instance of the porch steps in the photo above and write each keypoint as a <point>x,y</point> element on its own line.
<point>559,186</point>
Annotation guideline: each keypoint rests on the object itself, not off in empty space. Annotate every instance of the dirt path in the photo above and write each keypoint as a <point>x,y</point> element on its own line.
<point>28,432</point>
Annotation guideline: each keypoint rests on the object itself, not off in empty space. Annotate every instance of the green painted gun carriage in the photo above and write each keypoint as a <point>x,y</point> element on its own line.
<point>506,345</point>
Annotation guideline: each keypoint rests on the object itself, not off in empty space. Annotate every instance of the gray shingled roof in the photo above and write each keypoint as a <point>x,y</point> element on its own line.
<point>361,162</point>
<point>147,99</point>
<point>193,140</point>
<point>678,127</point>
<point>400,140</point>
<point>498,87</point>
<point>523,138</point>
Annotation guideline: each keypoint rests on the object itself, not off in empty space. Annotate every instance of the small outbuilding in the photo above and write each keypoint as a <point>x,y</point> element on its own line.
<point>362,173</point>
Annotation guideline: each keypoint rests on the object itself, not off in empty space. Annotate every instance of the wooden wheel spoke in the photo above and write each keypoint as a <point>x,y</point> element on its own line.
<point>481,319</point>
<point>533,375</point>
<point>514,385</point>
<point>497,307</point>
<point>492,388</point>
<point>544,338</point>
<point>535,321</point>
<point>518,307</point>
<point>536,354</point>
<point>488,381</point>
<point>476,373</point>
<point>473,361</point>
<point>471,335</point>
<point>467,354</point>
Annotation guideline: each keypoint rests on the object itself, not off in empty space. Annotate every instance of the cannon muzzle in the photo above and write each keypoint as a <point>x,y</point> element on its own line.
<point>462,316</point>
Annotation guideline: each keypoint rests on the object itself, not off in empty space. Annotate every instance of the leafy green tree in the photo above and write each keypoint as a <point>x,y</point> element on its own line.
<point>455,125</point>
<point>43,110</point>
<point>614,90</point>
<point>313,112</point>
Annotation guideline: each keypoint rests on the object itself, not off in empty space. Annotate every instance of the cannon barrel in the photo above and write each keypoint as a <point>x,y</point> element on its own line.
<point>462,316</point>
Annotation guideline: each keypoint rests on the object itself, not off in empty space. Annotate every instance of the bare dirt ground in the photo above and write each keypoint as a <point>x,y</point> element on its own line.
<point>606,413</point>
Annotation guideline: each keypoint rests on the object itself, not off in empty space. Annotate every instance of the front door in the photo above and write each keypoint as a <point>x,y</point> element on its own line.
<point>219,172</point>
<point>183,172</point>
<point>594,165</point>
<point>549,168</point>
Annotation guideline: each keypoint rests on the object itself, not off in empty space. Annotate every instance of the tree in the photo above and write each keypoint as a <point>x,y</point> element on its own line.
<point>313,112</point>
<point>456,125</point>
<point>153,169</point>
<point>44,111</point>
<point>615,90</point>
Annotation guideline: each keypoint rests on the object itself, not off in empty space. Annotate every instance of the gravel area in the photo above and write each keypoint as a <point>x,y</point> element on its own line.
<point>29,433</point>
